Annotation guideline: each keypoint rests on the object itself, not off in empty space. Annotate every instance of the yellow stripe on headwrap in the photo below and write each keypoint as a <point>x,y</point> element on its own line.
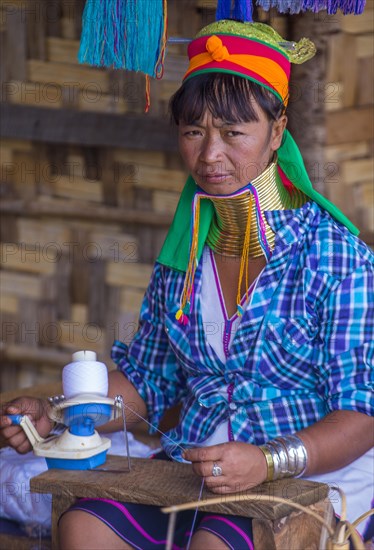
<point>266,68</point>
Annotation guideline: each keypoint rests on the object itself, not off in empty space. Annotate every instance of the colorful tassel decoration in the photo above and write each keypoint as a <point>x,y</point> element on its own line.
<point>314,5</point>
<point>125,34</point>
<point>244,261</point>
<point>282,6</point>
<point>296,6</point>
<point>243,10</point>
<point>346,6</point>
<point>223,9</point>
<point>234,9</point>
<point>187,298</point>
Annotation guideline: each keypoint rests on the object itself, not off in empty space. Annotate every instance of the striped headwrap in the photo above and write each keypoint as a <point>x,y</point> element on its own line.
<point>238,55</point>
<point>250,50</point>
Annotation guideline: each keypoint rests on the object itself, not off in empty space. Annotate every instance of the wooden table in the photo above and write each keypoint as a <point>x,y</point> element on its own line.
<point>276,526</point>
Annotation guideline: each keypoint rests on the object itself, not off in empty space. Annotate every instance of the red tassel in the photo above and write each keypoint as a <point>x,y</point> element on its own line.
<point>147,93</point>
<point>286,182</point>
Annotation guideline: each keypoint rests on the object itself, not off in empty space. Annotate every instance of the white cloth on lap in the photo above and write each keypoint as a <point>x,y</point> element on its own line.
<point>19,504</point>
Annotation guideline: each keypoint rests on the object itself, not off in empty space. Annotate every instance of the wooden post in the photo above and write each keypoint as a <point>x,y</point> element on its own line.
<point>295,531</point>
<point>309,92</point>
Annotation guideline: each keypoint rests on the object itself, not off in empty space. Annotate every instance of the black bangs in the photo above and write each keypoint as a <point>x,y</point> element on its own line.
<point>227,96</point>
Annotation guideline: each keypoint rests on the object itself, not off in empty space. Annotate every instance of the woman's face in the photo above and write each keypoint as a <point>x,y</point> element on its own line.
<point>222,156</point>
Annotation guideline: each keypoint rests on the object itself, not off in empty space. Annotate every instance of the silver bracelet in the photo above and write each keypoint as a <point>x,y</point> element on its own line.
<point>294,445</point>
<point>291,453</point>
<point>283,457</point>
<point>276,460</point>
<point>289,456</point>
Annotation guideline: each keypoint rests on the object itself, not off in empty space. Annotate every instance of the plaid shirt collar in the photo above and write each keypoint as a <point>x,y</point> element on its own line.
<point>290,226</point>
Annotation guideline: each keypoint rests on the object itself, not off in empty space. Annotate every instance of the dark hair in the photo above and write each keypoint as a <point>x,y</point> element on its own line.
<point>227,96</point>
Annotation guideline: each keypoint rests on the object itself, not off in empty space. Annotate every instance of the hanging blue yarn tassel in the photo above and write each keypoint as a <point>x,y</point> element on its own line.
<point>314,5</point>
<point>332,6</point>
<point>243,10</point>
<point>223,9</point>
<point>346,6</point>
<point>296,6</point>
<point>282,6</point>
<point>124,34</point>
<point>360,6</point>
<point>234,9</point>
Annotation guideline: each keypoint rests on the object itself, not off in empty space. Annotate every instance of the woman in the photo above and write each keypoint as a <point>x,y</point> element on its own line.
<point>257,319</point>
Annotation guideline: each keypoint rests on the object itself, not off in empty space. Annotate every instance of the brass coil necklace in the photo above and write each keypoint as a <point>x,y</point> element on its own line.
<point>227,231</point>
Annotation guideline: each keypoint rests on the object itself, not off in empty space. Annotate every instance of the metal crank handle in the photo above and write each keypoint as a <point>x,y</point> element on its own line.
<point>27,426</point>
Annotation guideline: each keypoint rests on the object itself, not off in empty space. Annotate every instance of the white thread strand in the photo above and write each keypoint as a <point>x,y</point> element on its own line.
<point>195,516</point>
<point>151,425</point>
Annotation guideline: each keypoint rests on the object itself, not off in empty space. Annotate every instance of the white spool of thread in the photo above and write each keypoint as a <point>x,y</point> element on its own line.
<point>85,375</point>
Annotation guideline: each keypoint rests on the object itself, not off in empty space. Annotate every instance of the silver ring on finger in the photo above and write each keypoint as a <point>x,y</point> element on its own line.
<point>217,470</point>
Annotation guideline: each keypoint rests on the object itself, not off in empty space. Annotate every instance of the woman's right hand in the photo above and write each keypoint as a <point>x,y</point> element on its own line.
<point>13,435</point>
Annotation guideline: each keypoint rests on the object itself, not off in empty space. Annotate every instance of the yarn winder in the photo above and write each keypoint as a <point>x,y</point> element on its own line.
<point>80,410</point>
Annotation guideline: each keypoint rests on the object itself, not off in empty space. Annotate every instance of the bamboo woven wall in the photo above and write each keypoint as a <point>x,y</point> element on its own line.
<point>89,182</point>
<point>82,221</point>
<point>349,118</point>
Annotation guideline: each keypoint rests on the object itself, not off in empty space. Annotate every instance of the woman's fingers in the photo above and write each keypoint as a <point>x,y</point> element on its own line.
<point>221,489</point>
<point>205,469</point>
<point>6,410</point>
<point>23,447</point>
<point>15,437</point>
<point>237,466</point>
<point>204,454</point>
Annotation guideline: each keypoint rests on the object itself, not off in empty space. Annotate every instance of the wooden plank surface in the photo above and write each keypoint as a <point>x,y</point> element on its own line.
<point>9,304</point>
<point>84,128</point>
<point>149,177</point>
<point>127,274</point>
<point>15,45</point>
<point>131,299</point>
<point>357,25</point>
<point>354,171</point>
<point>30,355</point>
<point>365,85</point>
<point>349,125</point>
<point>345,151</point>
<point>365,45</point>
<point>34,94</point>
<point>67,74</point>
<point>27,258</point>
<point>72,210</point>
<point>164,483</point>
<point>350,74</point>
<point>80,189</point>
<point>19,284</point>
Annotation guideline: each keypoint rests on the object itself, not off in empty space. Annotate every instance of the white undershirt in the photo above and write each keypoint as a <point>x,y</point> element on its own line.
<point>215,321</point>
<point>213,308</point>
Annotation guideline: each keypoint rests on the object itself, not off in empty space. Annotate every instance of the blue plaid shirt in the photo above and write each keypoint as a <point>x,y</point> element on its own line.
<point>304,346</point>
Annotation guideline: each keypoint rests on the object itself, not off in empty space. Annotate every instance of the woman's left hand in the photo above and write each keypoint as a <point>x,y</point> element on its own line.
<point>243,466</point>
